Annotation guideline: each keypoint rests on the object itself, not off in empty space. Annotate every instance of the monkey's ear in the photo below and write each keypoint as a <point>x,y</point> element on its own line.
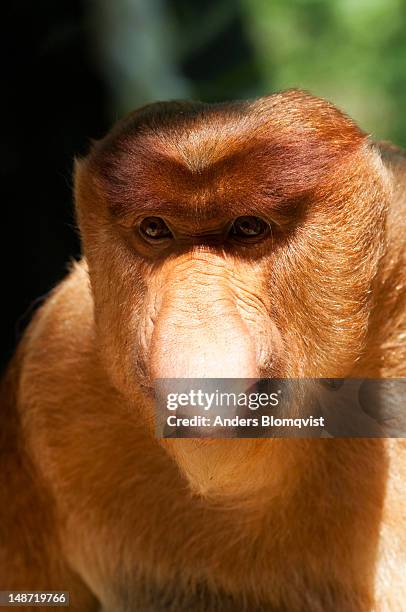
<point>87,195</point>
<point>78,171</point>
<point>76,163</point>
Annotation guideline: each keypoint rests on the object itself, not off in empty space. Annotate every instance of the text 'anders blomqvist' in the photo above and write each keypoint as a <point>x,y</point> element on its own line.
<point>217,399</point>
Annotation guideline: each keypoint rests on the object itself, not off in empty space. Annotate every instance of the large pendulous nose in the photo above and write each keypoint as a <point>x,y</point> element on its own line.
<point>201,337</point>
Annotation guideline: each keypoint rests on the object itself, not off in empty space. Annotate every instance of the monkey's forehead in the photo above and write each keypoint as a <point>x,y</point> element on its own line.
<point>284,138</point>
<point>293,112</point>
<point>200,134</point>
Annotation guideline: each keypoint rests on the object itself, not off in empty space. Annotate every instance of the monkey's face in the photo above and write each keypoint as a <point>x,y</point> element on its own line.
<point>232,241</point>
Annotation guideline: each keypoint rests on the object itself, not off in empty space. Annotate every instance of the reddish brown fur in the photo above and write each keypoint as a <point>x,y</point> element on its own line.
<point>92,503</point>
<point>187,163</point>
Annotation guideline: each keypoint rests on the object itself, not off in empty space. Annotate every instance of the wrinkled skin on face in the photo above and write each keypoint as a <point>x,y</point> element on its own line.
<point>295,301</point>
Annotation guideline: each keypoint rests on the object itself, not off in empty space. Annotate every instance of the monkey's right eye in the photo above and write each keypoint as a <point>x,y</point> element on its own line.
<point>154,228</point>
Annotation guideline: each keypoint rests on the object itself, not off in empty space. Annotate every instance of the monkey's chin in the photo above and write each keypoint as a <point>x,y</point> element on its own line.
<point>218,469</point>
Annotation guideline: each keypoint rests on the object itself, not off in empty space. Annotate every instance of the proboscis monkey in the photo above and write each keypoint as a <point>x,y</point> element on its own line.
<point>249,239</point>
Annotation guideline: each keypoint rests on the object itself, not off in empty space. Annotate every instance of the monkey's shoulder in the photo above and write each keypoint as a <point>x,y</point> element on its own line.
<point>58,344</point>
<point>394,158</point>
<point>64,321</point>
<point>390,151</point>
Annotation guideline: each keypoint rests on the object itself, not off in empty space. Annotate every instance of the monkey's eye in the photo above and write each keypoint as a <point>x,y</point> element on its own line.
<point>154,228</point>
<point>248,227</point>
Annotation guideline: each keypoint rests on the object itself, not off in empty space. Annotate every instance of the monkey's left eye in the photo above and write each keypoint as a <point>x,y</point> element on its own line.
<point>249,227</point>
<point>154,228</point>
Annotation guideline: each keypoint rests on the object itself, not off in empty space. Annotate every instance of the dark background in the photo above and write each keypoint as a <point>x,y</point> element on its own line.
<point>54,100</point>
<point>71,68</point>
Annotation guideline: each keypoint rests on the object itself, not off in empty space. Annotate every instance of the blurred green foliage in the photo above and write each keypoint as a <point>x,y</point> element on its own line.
<point>352,52</point>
